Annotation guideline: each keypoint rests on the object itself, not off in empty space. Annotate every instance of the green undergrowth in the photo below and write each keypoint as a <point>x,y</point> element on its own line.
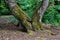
<point>51,16</point>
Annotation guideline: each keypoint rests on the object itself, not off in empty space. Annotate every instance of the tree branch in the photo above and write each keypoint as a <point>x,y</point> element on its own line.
<point>43,8</point>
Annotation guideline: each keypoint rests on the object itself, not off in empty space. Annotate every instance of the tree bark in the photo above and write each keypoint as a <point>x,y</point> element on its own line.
<point>38,14</point>
<point>19,14</point>
<point>43,9</point>
<point>25,19</point>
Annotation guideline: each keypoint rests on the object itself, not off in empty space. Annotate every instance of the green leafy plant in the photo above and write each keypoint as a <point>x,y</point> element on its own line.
<point>52,15</point>
<point>3,9</point>
<point>28,6</point>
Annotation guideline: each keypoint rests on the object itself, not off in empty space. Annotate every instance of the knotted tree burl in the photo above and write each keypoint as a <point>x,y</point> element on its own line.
<point>33,23</point>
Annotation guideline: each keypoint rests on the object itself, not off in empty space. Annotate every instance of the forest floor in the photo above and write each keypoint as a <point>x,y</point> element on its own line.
<point>9,31</point>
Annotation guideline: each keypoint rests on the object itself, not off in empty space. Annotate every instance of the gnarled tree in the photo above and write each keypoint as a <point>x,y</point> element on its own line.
<point>29,23</point>
<point>37,16</point>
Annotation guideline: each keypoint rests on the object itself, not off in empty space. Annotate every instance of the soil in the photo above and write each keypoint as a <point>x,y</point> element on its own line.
<point>12,32</point>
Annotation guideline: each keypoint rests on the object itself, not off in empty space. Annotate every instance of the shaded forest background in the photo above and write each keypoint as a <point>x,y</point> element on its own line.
<point>51,16</point>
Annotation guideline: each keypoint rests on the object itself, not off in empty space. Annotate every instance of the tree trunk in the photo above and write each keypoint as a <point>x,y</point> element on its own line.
<point>19,14</point>
<point>43,8</point>
<point>25,19</point>
<point>37,16</point>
